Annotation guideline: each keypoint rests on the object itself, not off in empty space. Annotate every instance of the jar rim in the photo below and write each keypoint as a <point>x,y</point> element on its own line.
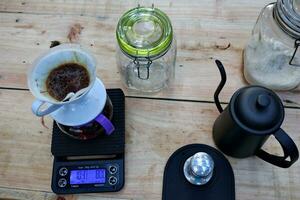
<point>154,38</point>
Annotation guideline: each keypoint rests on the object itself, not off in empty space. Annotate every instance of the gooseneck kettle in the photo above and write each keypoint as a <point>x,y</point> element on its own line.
<point>253,114</point>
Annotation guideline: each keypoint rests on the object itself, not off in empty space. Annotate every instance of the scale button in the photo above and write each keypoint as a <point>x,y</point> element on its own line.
<point>62,182</point>
<point>113,180</point>
<point>112,169</point>
<point>63,171</point>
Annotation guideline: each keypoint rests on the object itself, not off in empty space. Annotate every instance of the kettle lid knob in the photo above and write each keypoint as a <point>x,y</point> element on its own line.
<point>263,100</point>
<point>198,169</point>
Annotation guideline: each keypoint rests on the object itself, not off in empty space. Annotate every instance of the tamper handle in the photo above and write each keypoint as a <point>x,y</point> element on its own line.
<point>198,169</point>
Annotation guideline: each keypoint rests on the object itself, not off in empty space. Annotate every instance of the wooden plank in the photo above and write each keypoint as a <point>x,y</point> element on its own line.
<point>234,9</point>
<point>204,31</point>
<point>17,194</point>
<point>154,130</point>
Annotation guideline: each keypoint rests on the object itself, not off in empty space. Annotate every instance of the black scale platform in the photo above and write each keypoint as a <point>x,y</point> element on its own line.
<point>63,145</point>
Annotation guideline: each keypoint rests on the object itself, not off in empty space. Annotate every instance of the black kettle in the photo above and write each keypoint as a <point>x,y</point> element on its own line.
<point>254,113</point>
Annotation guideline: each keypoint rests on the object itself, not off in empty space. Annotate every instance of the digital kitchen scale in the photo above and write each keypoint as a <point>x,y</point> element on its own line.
<point>89,166</point>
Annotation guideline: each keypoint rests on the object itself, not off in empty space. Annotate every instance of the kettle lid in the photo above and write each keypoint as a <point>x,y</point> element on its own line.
<point>257,108</point>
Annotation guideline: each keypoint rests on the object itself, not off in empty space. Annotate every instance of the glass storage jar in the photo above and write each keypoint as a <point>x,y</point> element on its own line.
<point>146,52</point>
<point>270,57</point>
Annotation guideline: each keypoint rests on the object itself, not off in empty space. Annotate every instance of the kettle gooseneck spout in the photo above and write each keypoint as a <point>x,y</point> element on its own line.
<point>221,84</point>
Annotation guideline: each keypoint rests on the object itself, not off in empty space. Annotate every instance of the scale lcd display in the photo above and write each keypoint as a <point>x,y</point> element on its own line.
<point>90,176</point>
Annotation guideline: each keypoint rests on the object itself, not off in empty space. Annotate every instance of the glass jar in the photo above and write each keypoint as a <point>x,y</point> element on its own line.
<point>270,57</point>
<point>91,129</point>
<point>146,52</point>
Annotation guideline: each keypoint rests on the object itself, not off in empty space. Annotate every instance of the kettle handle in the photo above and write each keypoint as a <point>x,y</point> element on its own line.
<point>221,84</point>
<point>289,149</point>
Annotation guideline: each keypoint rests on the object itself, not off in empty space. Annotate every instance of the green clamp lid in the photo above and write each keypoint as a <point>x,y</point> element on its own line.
<point>144,32</point>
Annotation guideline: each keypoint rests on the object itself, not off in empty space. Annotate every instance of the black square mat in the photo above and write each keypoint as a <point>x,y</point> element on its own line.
<point>64,145</point>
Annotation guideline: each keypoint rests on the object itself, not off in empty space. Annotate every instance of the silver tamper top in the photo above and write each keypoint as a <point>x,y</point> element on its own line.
<point>199,168</point>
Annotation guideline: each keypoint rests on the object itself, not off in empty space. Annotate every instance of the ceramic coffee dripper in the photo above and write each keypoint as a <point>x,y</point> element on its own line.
<point>66,53</point>
<point>76,109</point>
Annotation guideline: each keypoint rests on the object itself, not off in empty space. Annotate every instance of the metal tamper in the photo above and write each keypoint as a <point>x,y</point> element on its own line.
<point>198,169</point>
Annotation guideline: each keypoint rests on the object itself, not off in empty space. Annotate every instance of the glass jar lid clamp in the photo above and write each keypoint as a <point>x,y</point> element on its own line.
<point>287,15</point>
<point>144,34</point>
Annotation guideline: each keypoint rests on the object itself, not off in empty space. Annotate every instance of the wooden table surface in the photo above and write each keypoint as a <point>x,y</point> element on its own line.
<point>156,125</point>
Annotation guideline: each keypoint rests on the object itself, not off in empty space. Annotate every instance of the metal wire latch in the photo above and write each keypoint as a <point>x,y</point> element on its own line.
<point>138,65</point>
<point>296,45</point>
